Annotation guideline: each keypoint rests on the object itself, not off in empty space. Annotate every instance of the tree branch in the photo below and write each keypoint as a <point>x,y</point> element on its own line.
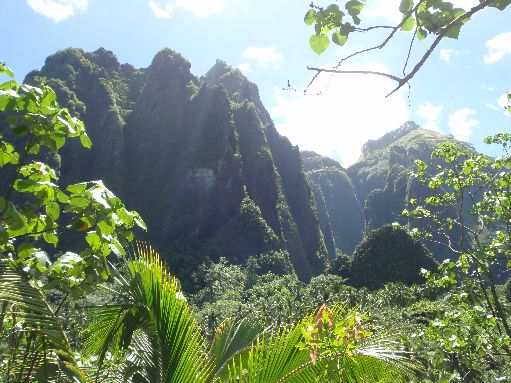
<point>385,42</point>
<point>383,74</point>
<point>441,35</point>
<point>406,78</point>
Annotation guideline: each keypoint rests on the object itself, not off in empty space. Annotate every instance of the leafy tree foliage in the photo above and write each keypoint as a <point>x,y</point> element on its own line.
<point>474,334</point>
<point>34,209</point>
<point>437,19</point>
<point>341,265</point>
<point>389,254</point>
<point>508,290</point>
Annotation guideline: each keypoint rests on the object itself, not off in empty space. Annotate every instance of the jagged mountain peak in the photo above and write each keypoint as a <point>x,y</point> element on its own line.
<point>238,87</point>
<point>182,150</point>
<point>312,161</point>
<point>168,64</point>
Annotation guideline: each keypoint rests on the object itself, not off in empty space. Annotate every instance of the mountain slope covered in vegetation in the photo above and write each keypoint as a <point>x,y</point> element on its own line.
<point>199,158</point>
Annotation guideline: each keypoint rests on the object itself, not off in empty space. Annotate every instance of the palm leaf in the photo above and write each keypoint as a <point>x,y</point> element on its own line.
<point>272,357</point>
<point>37,328</point>
<point>153,322</point>
<point>275,358</point>
<point>231,338</point>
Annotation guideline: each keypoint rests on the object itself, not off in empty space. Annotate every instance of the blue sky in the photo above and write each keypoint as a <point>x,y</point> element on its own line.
<point>459,91</point>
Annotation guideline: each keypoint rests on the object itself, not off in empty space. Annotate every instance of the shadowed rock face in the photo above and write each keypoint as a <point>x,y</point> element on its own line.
<point>200,159</point>
<point>340,211</point>
<point>375,190</point>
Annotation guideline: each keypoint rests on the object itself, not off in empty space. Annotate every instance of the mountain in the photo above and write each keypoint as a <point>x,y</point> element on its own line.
<point>199,158</point>
<point>340,211</point>
<point>375,190</point>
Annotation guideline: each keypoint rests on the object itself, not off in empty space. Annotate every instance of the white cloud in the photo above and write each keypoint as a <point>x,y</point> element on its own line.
<point>448,54</point>
<point>503,102</point>
<point>201,8</point>
<point>501,105</point>
<point>245,67</point>
<point>445,55</point>
<point>383,9</point>
<point>264,56</point>
<point>461,123</point>
<point>465,4</point>
<point>164,9</point>
<point>161,9</point>
<point>340,113</point>
<point>58,10</point>
<point>498,47</point>
<point>430,114</point>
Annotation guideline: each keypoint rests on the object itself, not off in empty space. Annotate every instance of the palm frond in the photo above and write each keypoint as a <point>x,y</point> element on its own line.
<point>37,329</point>
<point>275,358</point>
<point>231,338</point>
<point>152,305</point>
<point>271,358</point>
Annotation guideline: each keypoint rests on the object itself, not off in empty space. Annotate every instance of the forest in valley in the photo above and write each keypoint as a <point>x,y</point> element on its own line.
<point>156,227</point>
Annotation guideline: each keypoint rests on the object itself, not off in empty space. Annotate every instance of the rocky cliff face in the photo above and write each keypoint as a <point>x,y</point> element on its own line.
<point>199,158</point>
<point>340,211</point>
<point>375,190</point>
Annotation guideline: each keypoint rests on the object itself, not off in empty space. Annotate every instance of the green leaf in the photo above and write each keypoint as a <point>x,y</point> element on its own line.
<point>77,188</point>
<point>140,222</point>
<point>105,228</point>
<point>85,140</point>
<point>13,218</point>
<point>51,238</point>
<point>405,6</point>
<point>408,25</point>
<point>500,4</point>
<point>7,71</point>
<point>93,240</point>
<point>9,85</point>
<point>454,32</point>
<point>125,216</point>
<point>61,196</point>
<point>79,202</point>
<point>354,7</point>
<point>319,43</point>
<point>310,17</point>
<point>53,210</point>
<point>117,249</point>
<point>338,38</point>
<point>25,250</point>
<point>421,34</point>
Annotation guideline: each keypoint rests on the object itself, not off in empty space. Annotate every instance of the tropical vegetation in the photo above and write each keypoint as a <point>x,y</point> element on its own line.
<point>280,279</point>
<point>145,331</point>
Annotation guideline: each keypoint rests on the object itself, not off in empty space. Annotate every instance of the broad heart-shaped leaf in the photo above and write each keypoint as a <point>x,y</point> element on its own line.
<point>354,7</point>
<point>338,38</point>
<point>408,25</point>
<point>310,17</point>
<point>454,32</point>
<point>406,6</point>
<point>319,43</point>
<point>421,34</point>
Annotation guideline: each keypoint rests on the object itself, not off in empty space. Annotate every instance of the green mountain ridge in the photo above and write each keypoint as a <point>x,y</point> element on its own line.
<point>199,158</point>
<point>375,190</point>
<point>202,162</point>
